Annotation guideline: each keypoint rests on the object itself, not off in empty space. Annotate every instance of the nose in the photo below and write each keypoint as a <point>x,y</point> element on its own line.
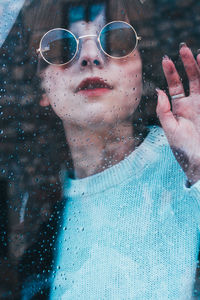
<point>90,54</point>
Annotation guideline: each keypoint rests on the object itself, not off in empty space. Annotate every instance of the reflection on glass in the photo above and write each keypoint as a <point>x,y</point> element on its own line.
<point>103,194</point>
<point>58,46</point>
<point>118,39</point>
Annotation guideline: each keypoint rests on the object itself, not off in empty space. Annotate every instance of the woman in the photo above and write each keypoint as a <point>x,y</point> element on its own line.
<point>130,225</point>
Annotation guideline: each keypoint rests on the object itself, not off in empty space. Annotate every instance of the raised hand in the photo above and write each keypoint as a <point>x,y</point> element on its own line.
<point>181,123</point>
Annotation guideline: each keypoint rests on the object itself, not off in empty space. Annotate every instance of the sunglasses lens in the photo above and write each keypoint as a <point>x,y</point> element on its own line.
<point>118,39</point>
<point>58,46</point>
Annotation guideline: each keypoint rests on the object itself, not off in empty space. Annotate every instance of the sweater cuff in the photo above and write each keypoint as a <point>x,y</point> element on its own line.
<point>194,191</point>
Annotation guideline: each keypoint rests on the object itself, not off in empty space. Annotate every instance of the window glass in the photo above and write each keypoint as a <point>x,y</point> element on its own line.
<point>100,143</point>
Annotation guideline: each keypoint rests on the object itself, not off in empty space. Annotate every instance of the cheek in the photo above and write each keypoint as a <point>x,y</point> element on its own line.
<point>131,85</point>
<point>57,88</point>
<point>131,73</point>
<point>56,80</point>
<point>130,90</point>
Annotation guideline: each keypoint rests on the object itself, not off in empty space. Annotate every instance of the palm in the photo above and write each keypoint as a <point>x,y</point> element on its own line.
<point>182,123</point>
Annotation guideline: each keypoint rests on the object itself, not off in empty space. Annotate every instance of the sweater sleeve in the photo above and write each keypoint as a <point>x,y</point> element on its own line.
<point>194,195</point>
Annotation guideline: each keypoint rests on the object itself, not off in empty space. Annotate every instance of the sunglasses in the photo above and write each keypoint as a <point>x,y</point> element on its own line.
<point>116,39</point>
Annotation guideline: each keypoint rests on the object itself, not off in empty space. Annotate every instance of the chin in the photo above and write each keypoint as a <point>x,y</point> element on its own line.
<point>100,115</point>
<point>104,122</point>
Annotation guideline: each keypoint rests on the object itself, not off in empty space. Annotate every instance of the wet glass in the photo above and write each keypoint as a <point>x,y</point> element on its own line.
<point>117,39</point>
<point>99,197</point>
<point>58,46</point>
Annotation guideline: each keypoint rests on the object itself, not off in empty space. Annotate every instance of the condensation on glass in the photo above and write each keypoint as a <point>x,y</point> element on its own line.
<point>98,199</point>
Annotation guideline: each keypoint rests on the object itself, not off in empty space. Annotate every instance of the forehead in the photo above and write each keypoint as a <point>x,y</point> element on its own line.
<point>90,27</point>
<point>88,18</point>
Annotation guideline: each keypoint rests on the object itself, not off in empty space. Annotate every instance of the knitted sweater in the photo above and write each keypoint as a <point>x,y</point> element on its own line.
<point>131,231</point>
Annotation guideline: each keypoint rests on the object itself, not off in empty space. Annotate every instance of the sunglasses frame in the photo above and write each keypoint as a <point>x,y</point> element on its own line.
<point>138,38</point>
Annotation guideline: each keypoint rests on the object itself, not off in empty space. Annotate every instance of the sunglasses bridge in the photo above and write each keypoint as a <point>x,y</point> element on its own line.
<point>87,36</point>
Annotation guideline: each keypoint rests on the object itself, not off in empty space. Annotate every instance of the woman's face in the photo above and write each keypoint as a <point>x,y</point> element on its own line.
<point>94,90</point>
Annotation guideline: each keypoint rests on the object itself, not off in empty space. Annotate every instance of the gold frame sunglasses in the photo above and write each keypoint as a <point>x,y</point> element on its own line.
<point>114,25</point>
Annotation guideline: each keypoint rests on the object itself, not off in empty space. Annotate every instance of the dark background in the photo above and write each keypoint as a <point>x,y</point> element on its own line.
<point>174,22</point>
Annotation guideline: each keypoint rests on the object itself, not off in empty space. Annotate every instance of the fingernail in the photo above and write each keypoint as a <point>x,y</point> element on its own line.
<point>183,44</point>
<point>198,51</point>
<point>158,91</point>
<point>165,57</point>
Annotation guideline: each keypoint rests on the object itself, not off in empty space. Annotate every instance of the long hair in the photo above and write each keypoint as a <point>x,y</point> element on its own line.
<point>36,149</point>
<point>41,149</point>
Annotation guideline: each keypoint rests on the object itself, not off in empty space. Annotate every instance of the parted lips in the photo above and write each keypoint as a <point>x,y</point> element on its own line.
<point>93,83</point>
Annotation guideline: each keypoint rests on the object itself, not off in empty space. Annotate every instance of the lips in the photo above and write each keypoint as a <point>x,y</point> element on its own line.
<point>92,84</point>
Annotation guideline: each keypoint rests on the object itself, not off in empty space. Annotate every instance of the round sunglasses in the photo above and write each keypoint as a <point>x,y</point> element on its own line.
<point>117,39</point>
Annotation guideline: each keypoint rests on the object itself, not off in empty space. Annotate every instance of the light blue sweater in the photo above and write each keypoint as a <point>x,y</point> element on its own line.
<point>131,231</point>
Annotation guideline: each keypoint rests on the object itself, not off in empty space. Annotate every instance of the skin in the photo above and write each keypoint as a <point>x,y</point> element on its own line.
<point>182,123</point>
<point>99,129</point>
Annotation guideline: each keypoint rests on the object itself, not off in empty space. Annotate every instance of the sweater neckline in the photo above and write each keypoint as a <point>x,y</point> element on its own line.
<point>131,166</point>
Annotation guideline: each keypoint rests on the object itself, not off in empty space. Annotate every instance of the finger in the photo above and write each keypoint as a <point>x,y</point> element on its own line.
<point>166,117</point>
<point>173,79</point>
<point>198,58</point>
<point>191,68</point>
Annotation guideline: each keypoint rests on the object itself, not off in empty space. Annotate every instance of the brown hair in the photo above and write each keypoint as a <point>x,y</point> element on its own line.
<point>44,151</point>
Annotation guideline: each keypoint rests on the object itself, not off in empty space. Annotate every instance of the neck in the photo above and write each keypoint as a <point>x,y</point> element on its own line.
<point>94,151</point>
